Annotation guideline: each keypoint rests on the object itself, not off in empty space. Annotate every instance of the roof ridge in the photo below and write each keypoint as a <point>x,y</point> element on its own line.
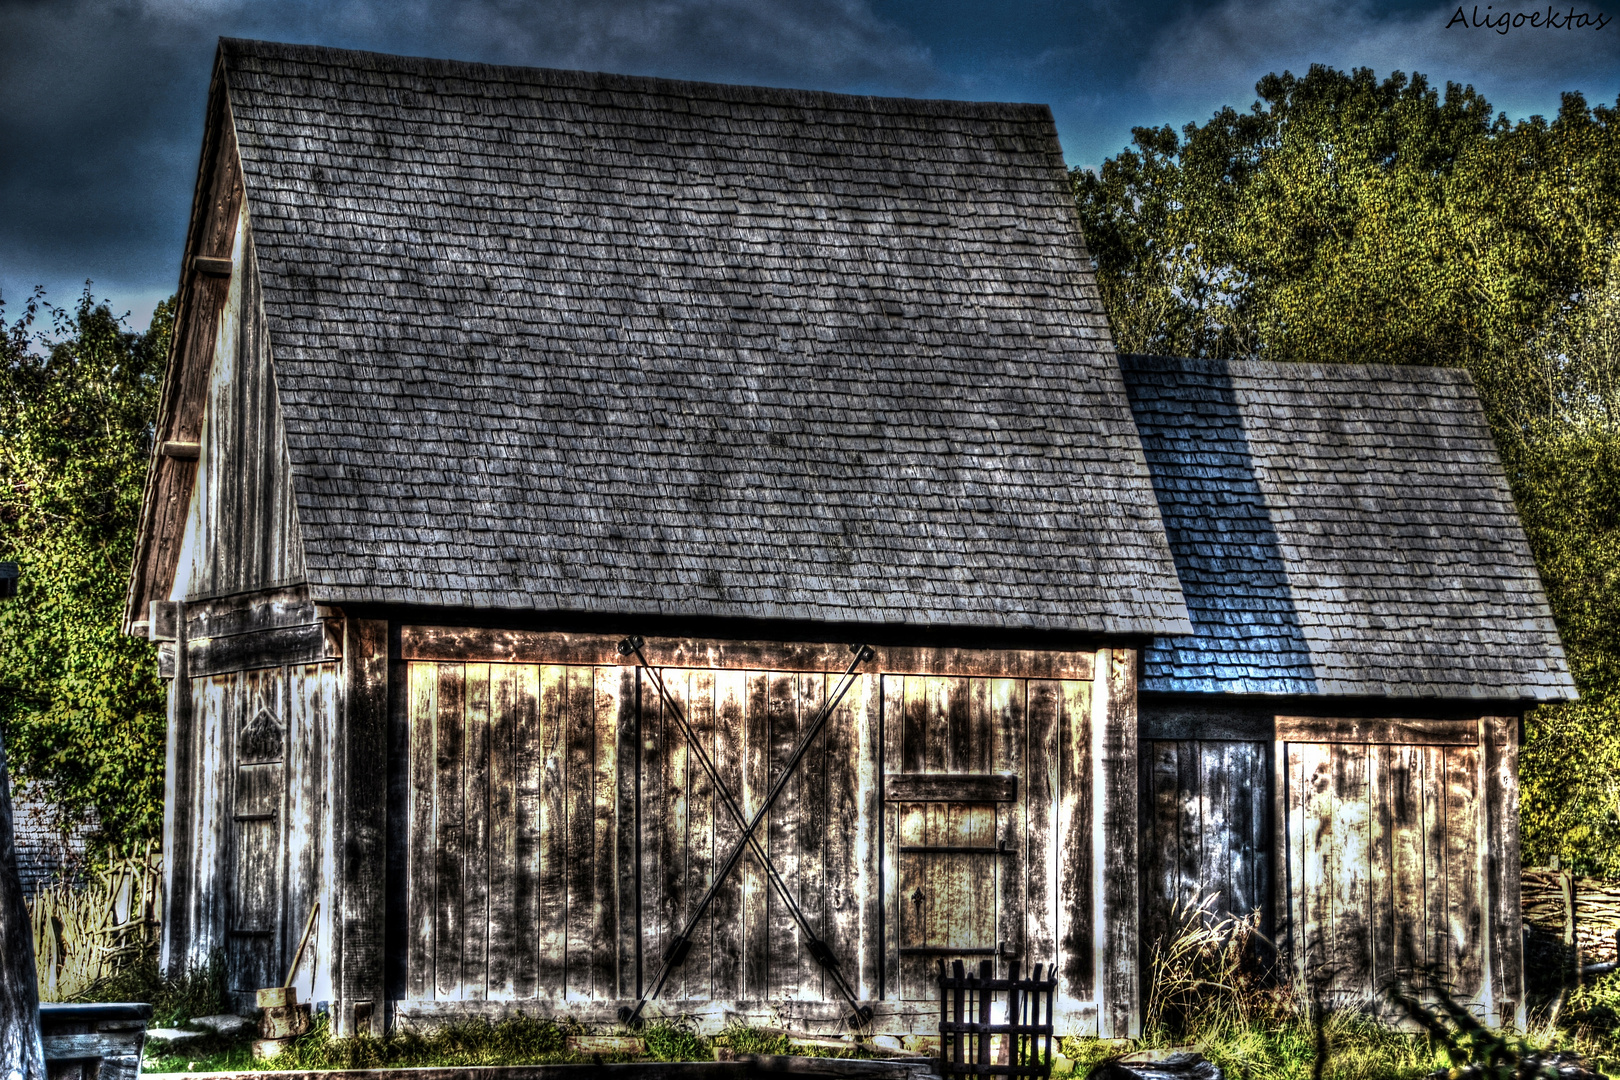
<point>583,79</point>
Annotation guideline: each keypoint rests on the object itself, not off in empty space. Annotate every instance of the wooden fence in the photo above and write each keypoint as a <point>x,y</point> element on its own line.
<point>84,935</point>
<point>1583,912</point>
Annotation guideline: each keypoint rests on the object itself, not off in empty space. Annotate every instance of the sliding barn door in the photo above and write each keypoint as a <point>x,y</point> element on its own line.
<point>518,848</point>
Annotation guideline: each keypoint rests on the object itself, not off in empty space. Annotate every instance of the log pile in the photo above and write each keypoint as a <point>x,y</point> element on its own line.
<point>1581,912</point>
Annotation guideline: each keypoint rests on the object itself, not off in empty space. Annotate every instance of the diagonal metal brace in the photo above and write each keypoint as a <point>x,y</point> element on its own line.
<point>860,1015</point>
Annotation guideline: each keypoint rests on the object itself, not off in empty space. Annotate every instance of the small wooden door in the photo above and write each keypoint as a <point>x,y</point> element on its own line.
<point>956,853</point>
<point>1386,864</point>
<point>255,907</point>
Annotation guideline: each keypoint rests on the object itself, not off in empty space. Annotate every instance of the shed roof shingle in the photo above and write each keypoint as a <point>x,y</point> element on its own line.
<point>1340,530</point>
<point>565,341</point>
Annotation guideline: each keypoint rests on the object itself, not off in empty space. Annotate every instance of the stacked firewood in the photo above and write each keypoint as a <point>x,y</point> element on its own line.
<point>1581,912</point>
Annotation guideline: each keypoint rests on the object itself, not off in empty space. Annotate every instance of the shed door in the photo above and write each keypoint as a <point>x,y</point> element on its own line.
<point>972,800</point>
<point>1386,864</point>
<point>256,821</point>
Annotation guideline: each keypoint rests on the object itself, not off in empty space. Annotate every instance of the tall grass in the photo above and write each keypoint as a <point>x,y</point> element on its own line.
<point>1215,986</point>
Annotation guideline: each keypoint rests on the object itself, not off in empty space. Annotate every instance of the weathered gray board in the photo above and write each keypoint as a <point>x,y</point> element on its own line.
<point>256,826</point>
<point>560,831</point>
<point>1395,840</point>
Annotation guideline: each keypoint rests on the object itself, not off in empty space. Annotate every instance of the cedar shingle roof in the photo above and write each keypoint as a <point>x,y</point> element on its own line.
<point>564,341</point>
<point>1340,530</point>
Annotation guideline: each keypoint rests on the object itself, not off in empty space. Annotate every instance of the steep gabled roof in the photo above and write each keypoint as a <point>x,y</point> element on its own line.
<point>568,342</point>
<point>1340,530</point>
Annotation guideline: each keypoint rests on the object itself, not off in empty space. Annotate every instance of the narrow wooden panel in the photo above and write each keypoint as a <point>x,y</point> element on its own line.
<point>730,719</point>
<point>1465,906</point>
<point>913,724</point>
<point>605,884</point>
<point>1045,716</point>
<point>449,761</point>
<point>1351,902</point>
<point>627,830</point>
<point>475,831</point>
<point>359,915</point>
<point>551,929</point>
<point>810,834</point>
<point>1435,930</point>
<point>1339,729</point>
<point>1005,700</point>
<point>523,687</point>
<point>950,787</point>
<point>1216,837</point>
<point>667,831</point>
<point>842,836</point>
<point>656,731</point>
<point>892,696</point>
<point>1189,824</point>
<point>866,705</point>
<point>1160,852</point>
<point>1311,768</point>
<point>505,931</point>
<point>700,837</point>
<point>579,803</point>
<point>1399,939</point>
<point>310,719</point>
<point>1505,914</point>
<point>751,796</point>
<point>911,909</point>
<point>1076,822</point>
<point>1255,797</point>
<point>1119,986</point>
<point>423,843</point>
<point>785,953</point>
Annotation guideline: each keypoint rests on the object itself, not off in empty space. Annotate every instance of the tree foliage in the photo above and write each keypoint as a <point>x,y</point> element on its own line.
<point>81,707</point>
<point>1347,219</point>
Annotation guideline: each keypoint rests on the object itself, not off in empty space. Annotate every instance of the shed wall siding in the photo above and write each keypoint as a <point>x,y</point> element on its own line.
<point>1375,849</point>
<point>560,832</point>
<point>257,826</point>
<point>242,531</point>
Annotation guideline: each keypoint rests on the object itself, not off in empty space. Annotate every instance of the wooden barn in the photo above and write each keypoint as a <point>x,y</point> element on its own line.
<point>622,544</point>
<point>1336,743</point>
<point>480,372</point>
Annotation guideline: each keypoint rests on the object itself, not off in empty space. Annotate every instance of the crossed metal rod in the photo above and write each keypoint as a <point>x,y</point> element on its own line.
<point>860,1015</point>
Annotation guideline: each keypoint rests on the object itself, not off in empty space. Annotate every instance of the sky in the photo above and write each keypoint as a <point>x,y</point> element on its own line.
<point>101,101</point>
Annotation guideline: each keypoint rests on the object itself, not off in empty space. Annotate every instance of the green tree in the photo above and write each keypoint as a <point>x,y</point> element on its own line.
<point>1347,219</point>
<point>81,706</point>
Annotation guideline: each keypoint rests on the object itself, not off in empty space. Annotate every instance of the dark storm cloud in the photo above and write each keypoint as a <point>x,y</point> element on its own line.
<point>101,103</point>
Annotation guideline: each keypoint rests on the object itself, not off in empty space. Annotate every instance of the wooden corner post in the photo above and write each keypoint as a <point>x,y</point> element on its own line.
<point>361,820</point>
<point>1119,1012</point>
<point>1500,762</point>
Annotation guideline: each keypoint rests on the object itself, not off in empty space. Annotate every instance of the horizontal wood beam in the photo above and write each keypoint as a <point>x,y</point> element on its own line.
<point>950,787</point>
<point>1337,729</point>
<point>465,644</point>
<point>210,266</point>
<point>312,643</point>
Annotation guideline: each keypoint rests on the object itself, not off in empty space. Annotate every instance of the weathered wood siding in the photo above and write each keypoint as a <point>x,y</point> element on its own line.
<point>1206,829</point>
<point>242,530</point>
<point>514,833</point>
<point>559,831</point>
<point>257,826</point>
<point>1375,849</point>
<point>1385,867</point>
